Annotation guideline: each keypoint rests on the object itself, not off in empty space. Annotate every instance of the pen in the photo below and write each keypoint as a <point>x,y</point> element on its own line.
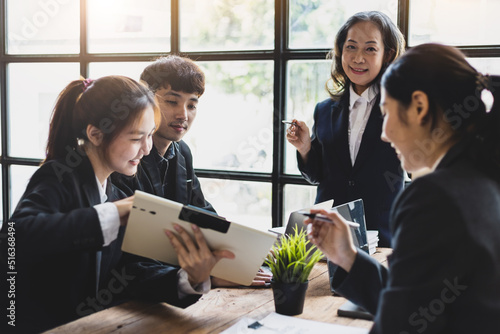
<point>325,218</point>
<point>290,122</point>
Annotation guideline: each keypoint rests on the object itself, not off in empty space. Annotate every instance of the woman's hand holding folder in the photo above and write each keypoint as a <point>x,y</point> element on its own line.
<point>194,255</point>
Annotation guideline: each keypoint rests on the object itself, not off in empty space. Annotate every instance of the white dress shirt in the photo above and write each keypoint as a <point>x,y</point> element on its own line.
<point>108,215</point>
<point>360,108</point>
<point>110,224</point>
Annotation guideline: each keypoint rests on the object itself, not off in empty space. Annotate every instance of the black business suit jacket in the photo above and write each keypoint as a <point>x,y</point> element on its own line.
<point>376,176</point>
<point>64,272</point>
<point>444,273</point>
<point>148,179</point>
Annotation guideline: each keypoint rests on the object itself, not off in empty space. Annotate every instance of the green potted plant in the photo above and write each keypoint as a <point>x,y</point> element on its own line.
<point>291,262</point>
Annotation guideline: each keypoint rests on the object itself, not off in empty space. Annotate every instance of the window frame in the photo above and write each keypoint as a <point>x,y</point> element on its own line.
<point>280,55</point>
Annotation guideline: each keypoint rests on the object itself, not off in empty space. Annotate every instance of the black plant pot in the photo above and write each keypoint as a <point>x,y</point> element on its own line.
<point>289,297</point>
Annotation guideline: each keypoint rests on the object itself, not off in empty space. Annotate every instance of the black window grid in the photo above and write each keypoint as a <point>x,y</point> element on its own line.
<point>280,55</point>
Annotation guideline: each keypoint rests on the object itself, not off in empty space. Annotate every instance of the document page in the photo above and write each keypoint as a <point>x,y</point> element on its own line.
<point>276,323</point>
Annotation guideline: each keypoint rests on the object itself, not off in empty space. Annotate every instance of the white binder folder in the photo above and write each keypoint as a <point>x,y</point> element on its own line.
<point>151,215</point>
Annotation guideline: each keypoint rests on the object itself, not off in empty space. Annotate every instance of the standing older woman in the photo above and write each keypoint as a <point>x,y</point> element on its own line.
<point>345,156</point>
<point>444,273</point>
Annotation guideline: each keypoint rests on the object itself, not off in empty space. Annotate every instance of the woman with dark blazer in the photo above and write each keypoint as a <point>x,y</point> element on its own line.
<point>345,156</point>
<point>70,222</point>
<point>444,272</point>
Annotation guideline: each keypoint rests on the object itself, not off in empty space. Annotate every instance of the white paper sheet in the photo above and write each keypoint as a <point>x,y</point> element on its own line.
<point>277,324</point>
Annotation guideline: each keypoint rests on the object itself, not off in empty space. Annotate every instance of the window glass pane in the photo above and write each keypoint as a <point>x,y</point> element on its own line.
<point>117,26</point>
<point>226,25</point>
<point>1,199</point>
<point>450,22</point>
<point>244,202</point>
<point>314,24</point>
<point>0,132</point>
<point>297,197</point>
<point>130,69</point>
<point>19,177</point>
<point>33,90</point>
<point>306,87</point>
<point>43,27</point>
<point>486,65</point>
<point>233,129</point>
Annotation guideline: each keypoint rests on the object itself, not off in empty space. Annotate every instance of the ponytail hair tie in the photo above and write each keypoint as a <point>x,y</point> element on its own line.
<point>87,83</point>
<point>482,81</point>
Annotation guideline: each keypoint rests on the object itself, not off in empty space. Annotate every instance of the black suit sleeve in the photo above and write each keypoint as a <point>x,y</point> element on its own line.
<point>430,259</point>
<point>153,281</point>
<point>46,221</point>
<point>427,267</point>
<point>195,196</point>
<point>364,283</point>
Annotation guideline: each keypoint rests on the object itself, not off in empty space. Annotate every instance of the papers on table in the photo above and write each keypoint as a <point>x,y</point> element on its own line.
<point>372,237</point>
<point>276,323</point>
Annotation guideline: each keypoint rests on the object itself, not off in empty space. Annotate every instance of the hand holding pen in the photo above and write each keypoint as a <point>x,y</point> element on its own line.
<point>298,135</point>
<point>294,123</point>
<point>331,233</point>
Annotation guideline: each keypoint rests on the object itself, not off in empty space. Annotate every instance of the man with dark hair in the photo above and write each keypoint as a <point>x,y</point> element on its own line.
<point>168,170</point>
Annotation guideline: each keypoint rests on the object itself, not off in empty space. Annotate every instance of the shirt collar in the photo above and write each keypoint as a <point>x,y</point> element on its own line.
<point>102,189</point>
<point>170,151</point>
<point>369,94</point>
<point>169,154</point>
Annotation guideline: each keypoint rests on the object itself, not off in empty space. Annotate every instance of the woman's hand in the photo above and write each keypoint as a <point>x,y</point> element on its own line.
<point>333,238</point>
<point>261,279</point>
<point>194,255</point>
<point>298,135</point>
<point>124,206</point>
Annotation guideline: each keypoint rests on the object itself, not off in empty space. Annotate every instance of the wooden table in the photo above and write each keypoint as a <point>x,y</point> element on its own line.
<point>216,310</point>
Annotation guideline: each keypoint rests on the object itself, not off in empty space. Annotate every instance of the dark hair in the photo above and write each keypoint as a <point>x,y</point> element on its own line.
<point>394,45</point>
<point>182,74</point>
<point>453,88</point>
<point>109,103</point>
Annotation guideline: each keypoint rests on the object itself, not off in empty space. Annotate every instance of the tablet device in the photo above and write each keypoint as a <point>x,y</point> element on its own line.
<point>352,211</point>
<point>151,215</point>
<point>296,220</point>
